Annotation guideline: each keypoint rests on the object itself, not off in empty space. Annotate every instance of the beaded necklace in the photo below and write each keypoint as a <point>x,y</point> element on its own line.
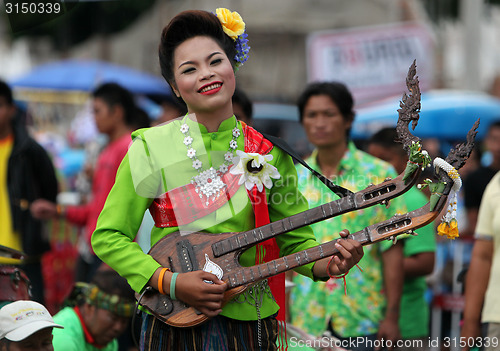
<point>208,183</point>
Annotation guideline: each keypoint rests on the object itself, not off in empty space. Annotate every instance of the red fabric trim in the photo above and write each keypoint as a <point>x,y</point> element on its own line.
<point>255,142</point>
<point>89,339</point>
<point>183,205</point>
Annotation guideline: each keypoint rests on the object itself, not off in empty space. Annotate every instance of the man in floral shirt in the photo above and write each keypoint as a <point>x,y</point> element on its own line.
<point>370,306</point>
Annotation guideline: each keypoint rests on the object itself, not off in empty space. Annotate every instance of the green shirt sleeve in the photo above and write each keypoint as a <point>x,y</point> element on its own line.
<point>117,226</point>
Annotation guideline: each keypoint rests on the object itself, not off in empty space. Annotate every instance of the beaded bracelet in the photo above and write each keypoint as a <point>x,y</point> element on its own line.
<point>160,280</point>
<point>172,285</point>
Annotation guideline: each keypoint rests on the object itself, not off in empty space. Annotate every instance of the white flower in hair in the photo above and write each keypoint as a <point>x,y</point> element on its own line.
<point>254,170</point>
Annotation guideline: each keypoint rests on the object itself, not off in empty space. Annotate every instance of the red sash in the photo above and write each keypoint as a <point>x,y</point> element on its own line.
<point>183,205</point>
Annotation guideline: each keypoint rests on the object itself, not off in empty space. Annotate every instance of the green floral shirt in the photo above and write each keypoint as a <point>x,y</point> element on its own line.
<point>314,304</point>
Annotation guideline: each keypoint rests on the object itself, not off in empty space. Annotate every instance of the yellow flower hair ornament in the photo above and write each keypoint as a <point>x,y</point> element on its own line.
<point>232,23</point>
<point>234,27</point>
<point>449,224</point>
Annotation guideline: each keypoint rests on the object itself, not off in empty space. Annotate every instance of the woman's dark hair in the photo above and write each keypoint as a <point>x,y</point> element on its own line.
<point>184,26</point>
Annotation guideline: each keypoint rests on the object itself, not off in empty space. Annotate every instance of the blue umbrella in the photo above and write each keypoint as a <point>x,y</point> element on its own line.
<point>86,75</point>
<point>445,114</point>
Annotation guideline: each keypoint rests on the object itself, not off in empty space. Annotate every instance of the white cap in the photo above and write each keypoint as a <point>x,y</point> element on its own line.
<point>20,319</point>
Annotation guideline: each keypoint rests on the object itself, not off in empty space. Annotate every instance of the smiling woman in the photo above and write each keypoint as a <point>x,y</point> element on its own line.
<point>204,79</point>
<point>205,174</point>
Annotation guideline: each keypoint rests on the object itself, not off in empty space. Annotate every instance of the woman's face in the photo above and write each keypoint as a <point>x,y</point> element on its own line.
<point>323,123</point>
<point>203,75</point>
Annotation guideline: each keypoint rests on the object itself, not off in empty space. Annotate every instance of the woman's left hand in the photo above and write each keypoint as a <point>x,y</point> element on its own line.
<point>350,252</point>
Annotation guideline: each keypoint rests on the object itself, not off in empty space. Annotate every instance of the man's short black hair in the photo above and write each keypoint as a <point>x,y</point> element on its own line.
<point>387,138</point>
<point>6,92</point>
<point>242,99</point>
<point>110,282</point>
<point>114,94</point>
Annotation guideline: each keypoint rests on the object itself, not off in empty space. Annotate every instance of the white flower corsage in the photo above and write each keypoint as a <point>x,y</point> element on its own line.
<point>254,169</point>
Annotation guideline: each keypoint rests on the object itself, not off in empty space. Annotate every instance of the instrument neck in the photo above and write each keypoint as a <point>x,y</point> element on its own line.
<point>253,274</point>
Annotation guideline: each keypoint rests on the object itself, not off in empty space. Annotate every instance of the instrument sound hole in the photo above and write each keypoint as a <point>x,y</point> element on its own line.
<point>394,225</point>
<point>379,192</point>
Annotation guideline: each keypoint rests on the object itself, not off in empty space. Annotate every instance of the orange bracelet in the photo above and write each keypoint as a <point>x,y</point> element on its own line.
<point>160,280</point>
<point>59,210</point>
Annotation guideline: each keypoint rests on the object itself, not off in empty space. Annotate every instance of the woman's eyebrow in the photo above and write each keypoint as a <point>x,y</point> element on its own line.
<point>191,62</point>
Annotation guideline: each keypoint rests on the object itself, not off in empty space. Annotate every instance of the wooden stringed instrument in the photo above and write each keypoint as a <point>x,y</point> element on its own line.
<point>186,253</point>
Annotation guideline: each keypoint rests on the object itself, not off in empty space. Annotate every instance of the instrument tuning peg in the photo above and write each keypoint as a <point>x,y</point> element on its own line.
<point>387,179</point>
<point>393,238</point>
<point>386,203</point>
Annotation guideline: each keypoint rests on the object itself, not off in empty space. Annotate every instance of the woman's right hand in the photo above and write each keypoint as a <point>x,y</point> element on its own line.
<point>192,289</point>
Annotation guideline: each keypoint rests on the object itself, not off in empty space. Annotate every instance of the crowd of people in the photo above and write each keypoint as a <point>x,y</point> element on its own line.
<point>203,168</point>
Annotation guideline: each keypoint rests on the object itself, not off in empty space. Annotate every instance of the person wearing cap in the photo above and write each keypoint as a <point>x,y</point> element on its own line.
<point>100,314</point>
<point>26,326</point>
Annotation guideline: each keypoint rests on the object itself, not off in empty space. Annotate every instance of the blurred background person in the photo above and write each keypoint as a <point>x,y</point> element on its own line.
<point>326,113</point>
<point>26,174</point>
<point>476,181</point>
<point>242,106</point>
<point>14,284</point>
<point>26,326</point>
<point>482,284</point>
<point>419,251</point>
<point>171,108</point>
<point>96,315</point>
<point>116,116</point>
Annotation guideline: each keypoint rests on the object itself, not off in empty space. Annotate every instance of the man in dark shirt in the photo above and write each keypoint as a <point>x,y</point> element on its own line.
<point>476,181</point>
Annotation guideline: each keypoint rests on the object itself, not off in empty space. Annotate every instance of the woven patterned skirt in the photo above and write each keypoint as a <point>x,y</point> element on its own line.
<point>217,334</point>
